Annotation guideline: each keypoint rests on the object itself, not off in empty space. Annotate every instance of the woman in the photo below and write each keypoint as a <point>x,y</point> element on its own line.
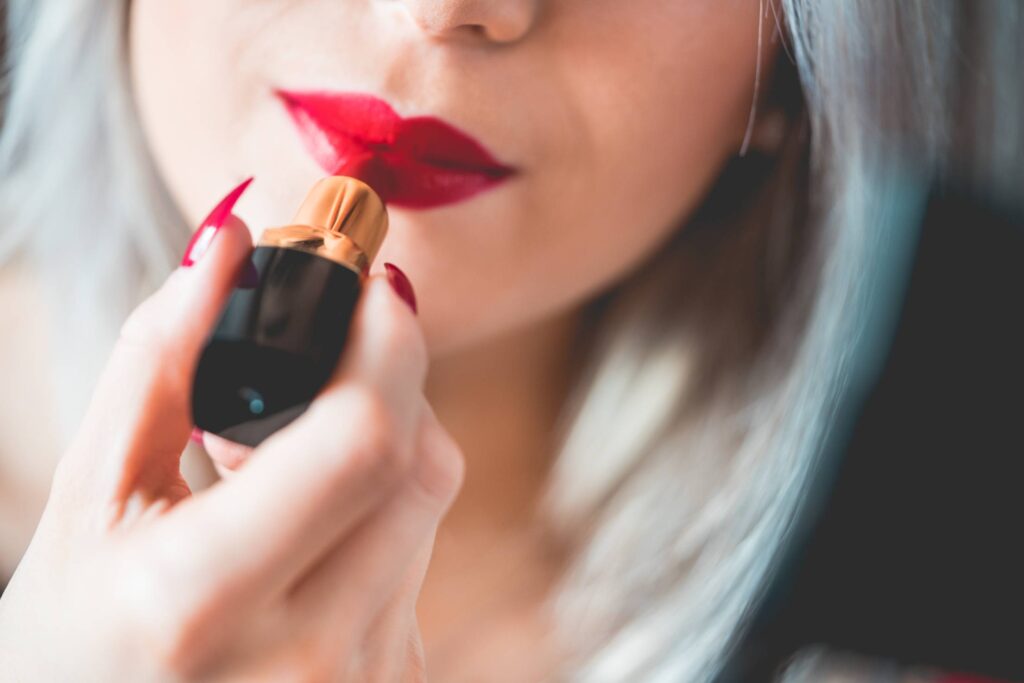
<point>635,338</point>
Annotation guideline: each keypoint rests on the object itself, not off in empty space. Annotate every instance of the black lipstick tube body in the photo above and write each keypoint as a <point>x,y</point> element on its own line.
<point>276,344</point>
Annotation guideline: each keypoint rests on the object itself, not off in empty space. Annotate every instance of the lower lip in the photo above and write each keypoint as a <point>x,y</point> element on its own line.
<point>415,163</point>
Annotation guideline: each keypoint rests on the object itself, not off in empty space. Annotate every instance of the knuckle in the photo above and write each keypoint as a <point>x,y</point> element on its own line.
<point>441,470</point>
<point>138,327</point>
<point>148,336</point>
<point>375,448</point>
<point>145,324</point>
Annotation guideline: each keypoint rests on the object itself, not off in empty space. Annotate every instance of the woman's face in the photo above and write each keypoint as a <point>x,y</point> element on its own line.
<point>616,116</point>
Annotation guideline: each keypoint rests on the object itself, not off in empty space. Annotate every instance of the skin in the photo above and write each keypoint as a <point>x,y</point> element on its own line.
<point>597,102</point>
<point>619,117</point>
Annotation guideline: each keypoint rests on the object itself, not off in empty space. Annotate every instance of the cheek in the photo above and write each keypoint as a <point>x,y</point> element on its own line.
<point>623,114</point>
<point>662,100</point>
<point>637,131</point>
<point>655,104</point>
<point>188,96</point>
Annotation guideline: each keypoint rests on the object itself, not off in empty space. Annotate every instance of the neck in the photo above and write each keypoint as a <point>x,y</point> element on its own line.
<point>499,401</point>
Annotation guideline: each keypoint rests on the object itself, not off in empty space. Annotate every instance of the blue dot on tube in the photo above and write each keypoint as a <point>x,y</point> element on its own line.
<point>254,400</point>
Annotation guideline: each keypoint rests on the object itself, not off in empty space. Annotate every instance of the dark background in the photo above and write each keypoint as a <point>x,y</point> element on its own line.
<point>911,550</point>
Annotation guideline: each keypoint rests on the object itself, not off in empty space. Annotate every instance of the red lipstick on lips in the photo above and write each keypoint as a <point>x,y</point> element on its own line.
<point>419,162</point>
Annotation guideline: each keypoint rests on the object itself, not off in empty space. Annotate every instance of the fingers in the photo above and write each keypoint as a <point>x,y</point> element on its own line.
<point>362,596</point>
<point>308,484</point>
<point>388,553</point>
<point>227,455</point>
<point>139,418</point>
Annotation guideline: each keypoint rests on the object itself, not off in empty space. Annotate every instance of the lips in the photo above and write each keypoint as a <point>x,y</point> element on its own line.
<point>418,162</point>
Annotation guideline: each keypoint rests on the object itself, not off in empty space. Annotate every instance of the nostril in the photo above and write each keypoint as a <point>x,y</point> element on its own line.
<point>506,21</point>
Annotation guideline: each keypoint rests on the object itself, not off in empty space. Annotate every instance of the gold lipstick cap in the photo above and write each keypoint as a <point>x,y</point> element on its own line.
<point>342,219</point>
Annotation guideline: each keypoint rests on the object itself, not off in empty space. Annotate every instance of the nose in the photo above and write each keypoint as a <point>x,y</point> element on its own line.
<point>493,21</point>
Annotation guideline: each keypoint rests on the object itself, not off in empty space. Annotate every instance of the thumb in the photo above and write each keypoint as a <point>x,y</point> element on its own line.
<point>139,419</point>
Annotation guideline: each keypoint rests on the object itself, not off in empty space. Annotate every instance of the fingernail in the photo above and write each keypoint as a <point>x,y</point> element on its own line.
<point>202,237</point>
<point>400,283</point>
<point>197,436</point>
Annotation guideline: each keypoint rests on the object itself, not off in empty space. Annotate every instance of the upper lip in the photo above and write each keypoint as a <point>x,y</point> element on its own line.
<point>418,161</point>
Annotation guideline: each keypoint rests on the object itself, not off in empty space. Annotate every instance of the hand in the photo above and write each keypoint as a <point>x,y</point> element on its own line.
<point>304,565</point>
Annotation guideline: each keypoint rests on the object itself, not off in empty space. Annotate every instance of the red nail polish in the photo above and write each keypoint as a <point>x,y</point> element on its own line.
<point>276,346</point>
<point>202,237</point>
<point>400,283</point>
<point>197,436</point>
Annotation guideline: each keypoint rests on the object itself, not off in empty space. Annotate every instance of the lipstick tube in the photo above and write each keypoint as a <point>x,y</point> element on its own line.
<point>275,345</point>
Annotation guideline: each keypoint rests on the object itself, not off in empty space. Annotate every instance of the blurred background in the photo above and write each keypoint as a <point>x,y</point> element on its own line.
<point>904,562</point>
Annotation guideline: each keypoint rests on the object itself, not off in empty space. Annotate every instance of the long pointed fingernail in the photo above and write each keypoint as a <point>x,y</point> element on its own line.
<point>400,283</point>
<point>202,237</point>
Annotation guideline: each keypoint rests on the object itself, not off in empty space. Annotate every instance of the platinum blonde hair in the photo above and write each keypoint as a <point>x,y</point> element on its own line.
<point>712,373</point>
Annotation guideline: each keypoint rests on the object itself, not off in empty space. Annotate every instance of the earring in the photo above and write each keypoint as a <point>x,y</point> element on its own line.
<point>767,133</point>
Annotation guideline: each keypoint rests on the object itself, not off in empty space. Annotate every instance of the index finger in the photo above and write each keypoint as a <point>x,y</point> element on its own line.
<point>139,420</point>
<point>308,484</point>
